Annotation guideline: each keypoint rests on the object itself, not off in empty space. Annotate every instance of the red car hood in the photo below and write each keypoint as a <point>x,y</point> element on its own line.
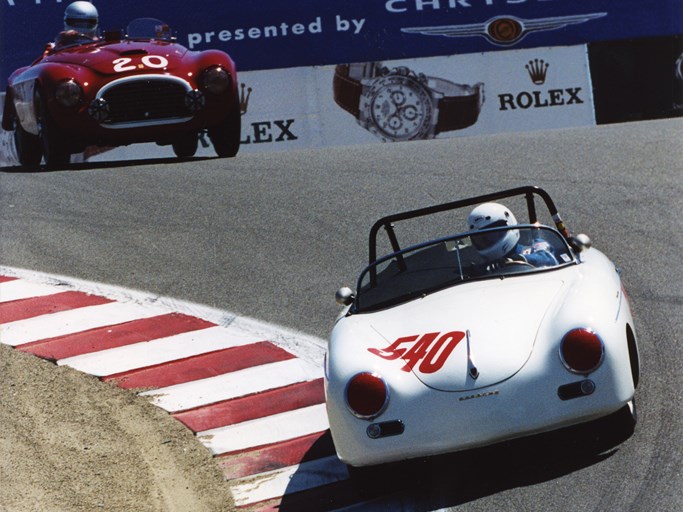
<point>104,58</point>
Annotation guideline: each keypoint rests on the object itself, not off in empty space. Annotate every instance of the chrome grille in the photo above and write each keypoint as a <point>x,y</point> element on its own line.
<point>149,100</point>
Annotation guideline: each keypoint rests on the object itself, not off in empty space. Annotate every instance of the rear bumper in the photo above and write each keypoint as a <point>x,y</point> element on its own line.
<point>438,422</point>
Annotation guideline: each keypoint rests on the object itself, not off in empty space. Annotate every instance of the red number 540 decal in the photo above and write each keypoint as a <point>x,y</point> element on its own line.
<point>431,350</point>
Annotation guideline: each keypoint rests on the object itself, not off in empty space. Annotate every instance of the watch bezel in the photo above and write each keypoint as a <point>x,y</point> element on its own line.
<point>378,85</point>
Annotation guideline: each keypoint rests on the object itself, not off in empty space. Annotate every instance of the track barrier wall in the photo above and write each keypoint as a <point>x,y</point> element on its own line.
<point>496,65</point>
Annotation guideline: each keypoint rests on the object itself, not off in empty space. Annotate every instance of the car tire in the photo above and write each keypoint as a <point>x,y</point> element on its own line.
<point>186,146</point>
<point>621,424</point>
<point>53,145</point>
<point>226,136</point>
<point>627,416</point>
<point>28,147</point>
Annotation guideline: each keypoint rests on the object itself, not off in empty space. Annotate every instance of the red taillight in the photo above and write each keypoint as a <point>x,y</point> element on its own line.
<point>367,395</point>
<point>581,350</point>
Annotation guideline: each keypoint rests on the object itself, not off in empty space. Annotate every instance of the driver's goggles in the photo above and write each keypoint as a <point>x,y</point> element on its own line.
<point>88,23</point>
<point>488,239</point>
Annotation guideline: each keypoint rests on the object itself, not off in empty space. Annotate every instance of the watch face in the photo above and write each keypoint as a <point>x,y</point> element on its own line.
<point>398,108</point>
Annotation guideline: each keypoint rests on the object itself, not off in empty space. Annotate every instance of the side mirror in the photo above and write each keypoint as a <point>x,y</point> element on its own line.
<point>581,242</point>
<point>344,296</point>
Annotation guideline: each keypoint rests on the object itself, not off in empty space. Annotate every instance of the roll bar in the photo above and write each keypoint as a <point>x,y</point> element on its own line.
<point>528,191</point>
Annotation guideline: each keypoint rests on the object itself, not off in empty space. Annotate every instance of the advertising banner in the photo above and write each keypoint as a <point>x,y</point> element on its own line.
<point>437,97</point>
<point>271,34</point>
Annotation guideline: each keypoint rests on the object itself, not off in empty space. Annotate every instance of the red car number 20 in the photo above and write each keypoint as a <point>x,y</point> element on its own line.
<point>123,64</point>
<point>429,353</point>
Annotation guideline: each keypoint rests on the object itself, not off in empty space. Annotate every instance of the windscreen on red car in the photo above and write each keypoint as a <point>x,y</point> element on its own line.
<point>149,28</point>
<point>432,266</point>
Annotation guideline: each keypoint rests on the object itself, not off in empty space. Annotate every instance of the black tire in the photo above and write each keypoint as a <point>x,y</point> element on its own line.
<point>186,146</point>
<point>55,151</point>
<point>627,417</point>
<point>621,424</point>
<point>28,146</point>
<point>226,136</point>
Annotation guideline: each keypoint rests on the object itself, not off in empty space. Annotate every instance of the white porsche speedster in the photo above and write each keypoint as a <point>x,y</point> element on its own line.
<point>501,331</point>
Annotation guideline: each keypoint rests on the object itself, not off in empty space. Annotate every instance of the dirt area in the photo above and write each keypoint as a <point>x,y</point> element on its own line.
<point>69,442</point>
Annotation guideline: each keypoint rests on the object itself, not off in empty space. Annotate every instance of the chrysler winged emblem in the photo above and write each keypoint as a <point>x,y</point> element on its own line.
<point>504,30</point>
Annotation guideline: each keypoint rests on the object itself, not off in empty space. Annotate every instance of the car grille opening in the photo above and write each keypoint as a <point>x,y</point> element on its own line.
<point>143,101</point>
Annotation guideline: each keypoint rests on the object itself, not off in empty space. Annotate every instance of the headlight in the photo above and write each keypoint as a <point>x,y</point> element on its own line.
<point>367,395</point>
<point>581,350</point>
<point>216,80</point>
<point>68,93</point>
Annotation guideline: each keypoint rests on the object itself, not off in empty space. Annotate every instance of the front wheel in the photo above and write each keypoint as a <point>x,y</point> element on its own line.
<point>28,146</point>
<point>54,147</point>
<point>226,135</point>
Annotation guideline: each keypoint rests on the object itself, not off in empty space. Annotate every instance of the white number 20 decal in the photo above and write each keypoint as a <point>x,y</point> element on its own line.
<point>151,61</point>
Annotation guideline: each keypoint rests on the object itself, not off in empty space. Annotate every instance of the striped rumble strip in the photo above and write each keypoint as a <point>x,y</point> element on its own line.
<point>251,392</point>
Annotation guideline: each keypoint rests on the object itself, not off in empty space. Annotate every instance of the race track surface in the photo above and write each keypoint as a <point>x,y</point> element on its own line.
<point>273,236</point>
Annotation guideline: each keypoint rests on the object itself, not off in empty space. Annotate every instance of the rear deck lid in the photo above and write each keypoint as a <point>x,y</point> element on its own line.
<point>467,337</point>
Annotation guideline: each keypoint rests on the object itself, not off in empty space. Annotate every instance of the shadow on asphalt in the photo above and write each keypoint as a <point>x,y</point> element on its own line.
<point>89,166</point>
<point>454,479</point>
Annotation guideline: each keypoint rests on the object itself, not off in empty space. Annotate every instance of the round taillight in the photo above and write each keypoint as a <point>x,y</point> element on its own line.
<point>581,350</point>
<point>367,395</point>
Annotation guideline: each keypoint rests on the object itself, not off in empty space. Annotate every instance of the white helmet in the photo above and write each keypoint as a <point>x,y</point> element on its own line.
<point>494,245</point>
<point>81,17</point>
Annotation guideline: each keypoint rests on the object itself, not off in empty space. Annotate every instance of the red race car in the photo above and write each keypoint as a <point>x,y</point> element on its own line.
<point>121,89</point>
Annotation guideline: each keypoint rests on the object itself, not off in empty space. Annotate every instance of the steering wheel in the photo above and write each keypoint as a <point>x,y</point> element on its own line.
<point>509,261</point>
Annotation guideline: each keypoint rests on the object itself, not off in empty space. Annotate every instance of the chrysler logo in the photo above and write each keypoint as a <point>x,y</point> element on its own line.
<point>504,30</point>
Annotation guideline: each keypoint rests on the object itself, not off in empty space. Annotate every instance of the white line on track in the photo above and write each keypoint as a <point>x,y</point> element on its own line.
<point>160,350</point>
<point>189,395</point>
<point>73,321</point>
<point>262,431</point>
<point>301,477</point>
<point>21,289</point>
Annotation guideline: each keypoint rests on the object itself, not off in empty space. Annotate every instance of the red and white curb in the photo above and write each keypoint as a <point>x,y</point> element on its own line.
<point>252,392</point>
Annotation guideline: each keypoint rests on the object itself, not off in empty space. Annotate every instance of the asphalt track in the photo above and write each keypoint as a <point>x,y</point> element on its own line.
<point>272,236</point>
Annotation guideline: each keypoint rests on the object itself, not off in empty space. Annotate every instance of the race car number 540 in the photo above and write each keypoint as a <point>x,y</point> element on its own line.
<point>428,353</point>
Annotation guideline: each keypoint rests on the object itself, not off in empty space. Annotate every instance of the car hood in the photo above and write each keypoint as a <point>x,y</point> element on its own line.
<point>487,329</point>
<point>105,58</point>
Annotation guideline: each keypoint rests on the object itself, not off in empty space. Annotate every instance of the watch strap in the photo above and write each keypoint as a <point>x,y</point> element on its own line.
<point>460,105</point>
<point>347,91</point>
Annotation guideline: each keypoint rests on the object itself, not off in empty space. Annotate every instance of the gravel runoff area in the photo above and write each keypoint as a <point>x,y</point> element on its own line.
<point>75,443</point>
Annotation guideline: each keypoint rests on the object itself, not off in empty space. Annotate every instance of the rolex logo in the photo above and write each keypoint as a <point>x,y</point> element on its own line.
<point>537,69</point>
<point>244,99</point>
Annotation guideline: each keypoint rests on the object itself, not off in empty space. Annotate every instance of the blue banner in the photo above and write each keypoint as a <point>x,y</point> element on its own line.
<point>271,34</point>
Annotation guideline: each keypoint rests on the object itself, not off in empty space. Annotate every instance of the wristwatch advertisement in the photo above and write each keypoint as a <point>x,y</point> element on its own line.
<point>399,104</point>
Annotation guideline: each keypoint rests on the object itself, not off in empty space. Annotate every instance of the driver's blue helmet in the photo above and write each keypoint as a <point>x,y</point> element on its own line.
<point>82,17</point>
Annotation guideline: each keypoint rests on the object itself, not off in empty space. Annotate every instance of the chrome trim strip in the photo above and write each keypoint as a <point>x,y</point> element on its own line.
<point>144,123</point>
<point>137,78</point>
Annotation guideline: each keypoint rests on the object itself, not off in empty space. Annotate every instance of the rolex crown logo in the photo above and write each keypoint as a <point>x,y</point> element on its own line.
<point>537,69</point>
<point>244,99</point>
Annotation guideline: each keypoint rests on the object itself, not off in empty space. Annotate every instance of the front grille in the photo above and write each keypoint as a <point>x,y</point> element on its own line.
<point>145,100</point>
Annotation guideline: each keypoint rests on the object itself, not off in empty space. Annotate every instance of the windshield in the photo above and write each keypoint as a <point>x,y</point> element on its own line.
<point>434,265</point>
<point>149,28</point>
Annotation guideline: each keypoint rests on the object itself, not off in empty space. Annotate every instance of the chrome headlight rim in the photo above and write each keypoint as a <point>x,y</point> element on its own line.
<point>216,80</point>
<point>68,93</point>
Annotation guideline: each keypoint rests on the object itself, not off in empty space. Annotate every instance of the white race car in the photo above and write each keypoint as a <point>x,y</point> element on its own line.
<point>501,331</point>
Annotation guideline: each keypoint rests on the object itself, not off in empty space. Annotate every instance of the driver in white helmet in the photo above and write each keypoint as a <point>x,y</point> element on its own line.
<point>502,246</point>
<point>80,24</point>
